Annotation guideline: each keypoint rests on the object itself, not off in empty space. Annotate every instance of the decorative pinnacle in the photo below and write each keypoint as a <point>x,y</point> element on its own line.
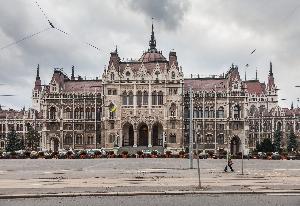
<point>38,72</point>
<point>271,69</point>
<point>152,42</point>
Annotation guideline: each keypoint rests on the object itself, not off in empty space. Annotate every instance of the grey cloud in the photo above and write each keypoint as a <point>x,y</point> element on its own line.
<point>207,35</point>
<point>169,12</point>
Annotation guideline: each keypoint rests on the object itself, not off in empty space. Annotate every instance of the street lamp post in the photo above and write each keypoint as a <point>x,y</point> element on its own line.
<point>191,129</point>
<point>198,162</point>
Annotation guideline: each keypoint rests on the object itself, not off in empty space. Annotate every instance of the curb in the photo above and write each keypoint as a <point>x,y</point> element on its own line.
<point>148,193</point>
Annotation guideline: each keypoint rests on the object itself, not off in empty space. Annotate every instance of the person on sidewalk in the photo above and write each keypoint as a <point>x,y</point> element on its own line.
<point>229,164</point>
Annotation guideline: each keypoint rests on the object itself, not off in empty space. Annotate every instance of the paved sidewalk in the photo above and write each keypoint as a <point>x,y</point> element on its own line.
<point>134,176</point>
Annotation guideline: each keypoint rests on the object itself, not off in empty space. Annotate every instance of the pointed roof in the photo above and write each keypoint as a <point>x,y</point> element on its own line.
<point>152,42</point>
<point>152,55</point>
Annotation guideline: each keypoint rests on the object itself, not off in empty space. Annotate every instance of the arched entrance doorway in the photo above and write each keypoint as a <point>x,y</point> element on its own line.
<point>128,135</point>
<point>143,135</point>
<point>157,134</point>
<point>235,145</point>
<point>54,144</point>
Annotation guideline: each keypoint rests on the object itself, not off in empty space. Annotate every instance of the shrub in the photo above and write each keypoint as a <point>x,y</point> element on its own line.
<point>210,153</point>
<point>13,155</point>
<point>139,153</point>
<point>97,153</point>
<point>54,154</point>
<point>111,154</point>
<point>41,154</point>
<point>27,154</point>
<point>181,153</point>
<point>154,152</point>
<point>125,153</point>
<point>168,153</point>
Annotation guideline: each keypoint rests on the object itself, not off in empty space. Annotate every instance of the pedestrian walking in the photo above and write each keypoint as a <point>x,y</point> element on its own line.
<point>229,164</point>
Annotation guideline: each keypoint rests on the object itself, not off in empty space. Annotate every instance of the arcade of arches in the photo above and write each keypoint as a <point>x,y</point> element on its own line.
<point>144,135</point>
<point>235,145</point>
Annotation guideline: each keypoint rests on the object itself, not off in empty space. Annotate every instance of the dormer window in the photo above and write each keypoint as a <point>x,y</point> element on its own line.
<point>173,75</point>
<point>127,75</point>
<point>157,73</point>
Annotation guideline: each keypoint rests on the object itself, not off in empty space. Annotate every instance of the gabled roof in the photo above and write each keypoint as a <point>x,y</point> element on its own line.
<point>255,87</point>
<point>82,86</point>
<point>207,84</point>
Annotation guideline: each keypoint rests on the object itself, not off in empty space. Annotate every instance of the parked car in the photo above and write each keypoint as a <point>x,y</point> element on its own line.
<point>276,156</point>
<point>262,155</point>
<point>291,157</point>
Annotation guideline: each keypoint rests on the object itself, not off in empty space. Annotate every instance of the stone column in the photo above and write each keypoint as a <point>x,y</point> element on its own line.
<point>150,137</point>
<point>120,138</point>
<point>149,98</point>
<point>134,99</point>
<point>135,138</point>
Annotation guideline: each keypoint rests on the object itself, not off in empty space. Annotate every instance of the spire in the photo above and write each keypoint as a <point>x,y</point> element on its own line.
<point>245,75</point>
<point>256,75</point>
<point>116,51</point>
<point>152,42</point>
<point>38,72</point>
<point>271,69</point>
<point>292,106</point>
<point>72,76</point>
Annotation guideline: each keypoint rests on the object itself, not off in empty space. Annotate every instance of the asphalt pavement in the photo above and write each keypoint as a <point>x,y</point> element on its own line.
<point>187,200</point>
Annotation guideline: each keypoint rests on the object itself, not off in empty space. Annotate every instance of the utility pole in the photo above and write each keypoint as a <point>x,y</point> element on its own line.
<point>191,129</point>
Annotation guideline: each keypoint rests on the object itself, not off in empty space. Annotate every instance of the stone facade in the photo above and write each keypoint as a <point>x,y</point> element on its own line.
<point>145,103</point>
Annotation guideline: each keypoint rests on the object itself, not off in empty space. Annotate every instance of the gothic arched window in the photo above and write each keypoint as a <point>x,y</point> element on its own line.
<point>130,98</point>
<point>139,98</point>
<point>160,98</point>
<point>52,113</point>
<point>112,76</point>
<point>68,139</point>
<point>154,98</point>
<point>220,112</point>
<point>145,98</point>
<point>236,112</point>
<point>76,113</point>
<point>68,113</point>
<point>173,110</point>
<point>212,112</point>
<point>88,114</point>
<point>206,112</point>
<point>124,98</point>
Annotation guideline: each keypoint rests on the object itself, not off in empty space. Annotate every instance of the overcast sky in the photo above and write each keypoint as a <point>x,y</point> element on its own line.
<point>208,37</point>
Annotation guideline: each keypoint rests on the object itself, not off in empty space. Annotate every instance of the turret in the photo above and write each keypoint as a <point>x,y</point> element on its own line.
<point>271,84</point>
<point>36,92</point>
<point>271,89</point>
<point>173,58</point>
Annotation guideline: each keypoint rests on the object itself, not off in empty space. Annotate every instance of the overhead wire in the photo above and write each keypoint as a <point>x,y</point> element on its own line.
<point>83,42</point>
<point>46,17</point>
<point>25,38</point>
<point>60,30</point>
<point>44,30</point>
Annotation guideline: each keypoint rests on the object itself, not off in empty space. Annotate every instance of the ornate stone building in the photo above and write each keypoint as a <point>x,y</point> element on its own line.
<point>145,103</point>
